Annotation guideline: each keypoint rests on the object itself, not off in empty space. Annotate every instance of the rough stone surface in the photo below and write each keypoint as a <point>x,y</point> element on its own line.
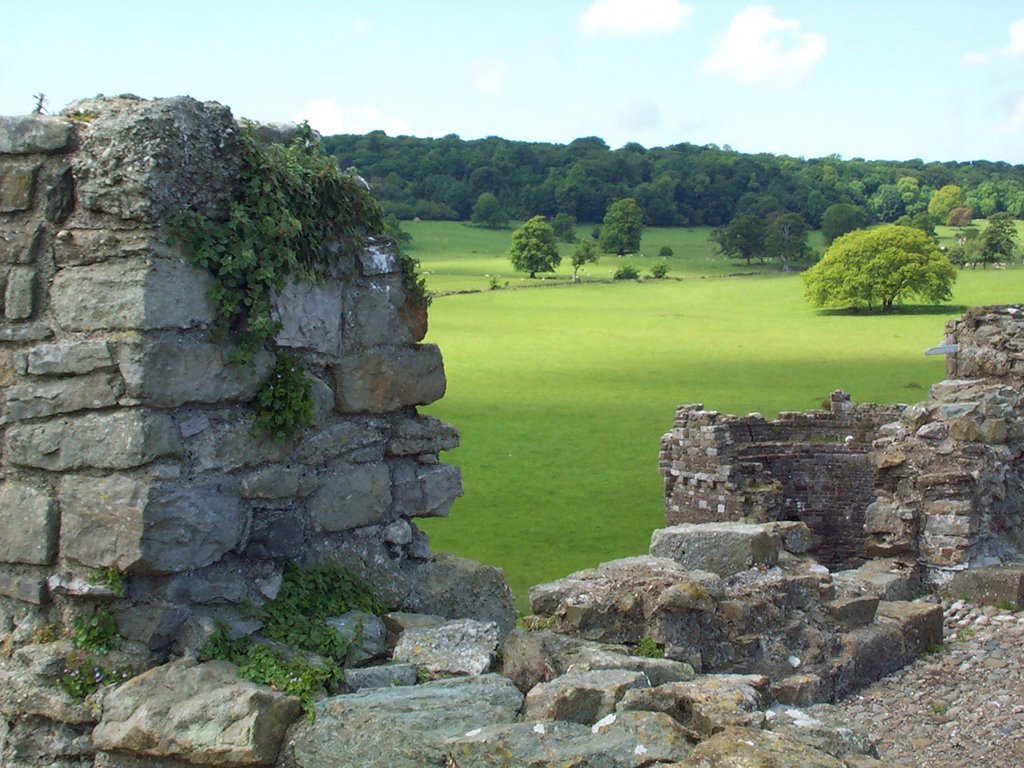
<point>722,548</point>
<point>425,491</point>
<point>707,704</point>
<point>464,647</point>
<point>28,524</point>
<point>455,587</point>
<point>742,747</point>
<point>994,586</point>
<point>399,727</point>
<point>381,676</point>
<point>79,393</point>
<point>581,697</point>
<point>311,317</point>
<point>352,496</point>
<point>201,713</point>
<point>19,293</point>
<point>69,357</point>
<point>388,378</point>
<point>34,134</point>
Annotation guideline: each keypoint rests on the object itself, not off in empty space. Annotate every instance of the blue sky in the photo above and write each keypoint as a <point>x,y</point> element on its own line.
<point>881,80</point>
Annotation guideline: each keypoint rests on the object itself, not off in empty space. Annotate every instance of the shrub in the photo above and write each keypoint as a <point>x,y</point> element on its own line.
<point>627,272</point>
<point>665,252</point>
<point>659,270</point>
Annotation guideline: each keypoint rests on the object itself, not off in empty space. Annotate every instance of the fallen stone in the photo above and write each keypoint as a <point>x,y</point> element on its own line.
<point>886,579</point>
<point>920,624</point>
<point>993,585</point>
<point>852,612</point>
<point>399,727</point>
<point>457,647</point>
<point>365,634</point>
<point>201,713</point>
<point>742,747</point>
<point>722,548</point>
<point>381,676</point>
<point>706,704</point>
<point>456,587</point>
<point>838,742</point>
<point>581,697</point>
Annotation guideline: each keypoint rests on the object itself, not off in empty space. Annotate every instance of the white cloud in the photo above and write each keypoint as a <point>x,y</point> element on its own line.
<point>1012,49</point>
<point>489,76</point>
<point>327,117</point>
<point>760,48</point>
<point>624,17</point>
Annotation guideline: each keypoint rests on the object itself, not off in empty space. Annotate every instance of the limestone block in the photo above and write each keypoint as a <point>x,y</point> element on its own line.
<point>20,241</point>
<point>275,533</point>
<point>456,587</point>
<point>722,548</point>
<point>796,690</point>
<point>992,585</point>
<point>148,160</point>
<point>374,314</point>
<point>40,741</point>
<point>388,378</point>
<point>357,441</point>
<point>921,624</point>
<point>11,364</point>
<point>421,434</point>
<point>17,187</point>
<point>276,481</point>
<point>379,258</point>
<point>28,589</point>
<point>425,490</point>
<point>365,634</point>
<point>399,727</point>
<point>351,495</point>
<point>34,134</point>
<point>227,446</point>
<point>75,247</point>
<point>28,524</point>
<point>69,357</point>
<point>117,440</point>
<point>870,653</point>
<point>463,647</point>
<point>851,612</point>
<point>26,332</point>
<point>707,704</point>
<point>59,198</point>
<point>201,713</point>
<point>144,525</point>
<point>380,676</point>
<point>18,293</point>
<point>753,746</point>
<point>131,295</point>
<point>627,740</point>
<point>310,316</point>
<point>581,697</point>
<point>78,393</point>
<point>166,374</point>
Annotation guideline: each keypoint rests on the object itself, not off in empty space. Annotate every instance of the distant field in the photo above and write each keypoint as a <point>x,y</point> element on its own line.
<point>562,394</point>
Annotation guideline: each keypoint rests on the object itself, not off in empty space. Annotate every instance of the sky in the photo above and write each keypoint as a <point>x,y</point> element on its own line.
<point>890,80</point>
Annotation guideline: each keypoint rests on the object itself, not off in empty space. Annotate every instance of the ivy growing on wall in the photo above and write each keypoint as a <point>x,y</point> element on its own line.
<point>296,216</point>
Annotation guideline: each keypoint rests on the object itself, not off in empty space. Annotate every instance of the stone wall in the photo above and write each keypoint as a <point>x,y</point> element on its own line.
<point>811,467</point>
<point>128,440</point>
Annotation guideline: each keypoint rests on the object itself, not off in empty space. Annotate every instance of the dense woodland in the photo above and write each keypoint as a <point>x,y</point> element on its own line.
<point>680,185</point>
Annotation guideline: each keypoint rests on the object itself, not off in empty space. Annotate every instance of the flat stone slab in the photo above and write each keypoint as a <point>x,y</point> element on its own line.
<point>457,647</point>
<point>722,548</point>
<point>707,704</point>
<point>581,697</point>
<point>993,585</point>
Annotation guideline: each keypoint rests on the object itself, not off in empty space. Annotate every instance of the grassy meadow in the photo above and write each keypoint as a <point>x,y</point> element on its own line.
<point>562,394</point>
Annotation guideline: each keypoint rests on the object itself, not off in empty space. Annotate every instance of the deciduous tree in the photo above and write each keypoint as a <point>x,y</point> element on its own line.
<point>785,239</point>
<point>842,218</point>
<point>960,217</point>
<point>880,268</point>
<point>742,237</point>
<point>565,227</point>
<point>534,247</point>
<point>998,240</point>
<point>622,227</point>
<point>945,200</point>
<point>488,212</point>
<point>586,253</point>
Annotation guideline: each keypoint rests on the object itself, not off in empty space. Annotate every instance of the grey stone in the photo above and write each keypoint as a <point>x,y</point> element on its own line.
<point>706,704</point>
<point>373,315</point>
<point>421,434</point>
<point>379,258</point>
<point>27,589</point>
<point>399,727</point>
<point>351,496</point>
<point>18,293</point>
<point>386,379</point>
<point>26,332</point>
<point>34,134</point>
<point>456,587</point>
<point>381,676</point>
<point>399,621</point>
<point>69,357</point>
<point>851,612</point>
<point>40,741</point>
<point>60,196</point>
<point>28,524</point>
<point>794,536</point>
<point>796,690</point>
<point>76,247</point>
<point>838,742</point>
<point>20,242</point>
<point>581,697</point>
<point>627,740</point>
<point>276,481</point>
<point>201,713</point>
<point>132,295</point>
<point>722,548</point>
<point>886,579</point>
<point>146,526</point>
<point>166,374</point>
<point>365,634</point>
<point>275,533</point>
<point>464,646</point>
<point>590,656</point>
<point>991,585</point>
<point>148,160</point>
<point>425,491</point>
<point>27,686</point>
<point>17,187</point>
<point>36,399</point>
<point>362,440</point>
<point>310,316</point>
<point>117,440</point>
<point>920,624</point>
<point>227,446</point>
<point>754,747</point>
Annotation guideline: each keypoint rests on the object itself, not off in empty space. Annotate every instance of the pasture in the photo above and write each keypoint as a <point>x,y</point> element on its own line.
<point>562,394</point>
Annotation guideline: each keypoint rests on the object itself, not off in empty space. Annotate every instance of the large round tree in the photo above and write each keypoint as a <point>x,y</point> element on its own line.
<point>534,247</point>
<point>878,268</point>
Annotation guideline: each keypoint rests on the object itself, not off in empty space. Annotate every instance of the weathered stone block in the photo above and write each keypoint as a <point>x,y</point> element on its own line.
<point>992,585</point>
<point>357,441</point>
<point>707,704</point>
<point>310,316</point>
<point>463,647</point>
<point>20,242</point>
<point>59,198</point>
<point>75,247</point>
<point>421,434</point>
<point>78,393</point>
<point>581,697</point>
<point>34,134</point>
<point>17,187</point>
<point>229,446</point>
<point>425,490</point>
<point>69,357</point>
<point>167,374</point>
<point>722,548</point>
<point>920,623</point>
<point>388,378</point>
<point>146,526</point>
<point>201,713</point>
<point>19,299</point>
<point>351,496</point>
<point>374,315</point>
<point>28,589</point>
<point>379,258</point>
<point>118,440</point>
<point>274,482</point>
<point>851,612</point>
<point>28,524</point>
<point>752,746</point>
<point>132,295</point>
<point>381,676</point>
<point>460,588</point>
<point>275,533</point>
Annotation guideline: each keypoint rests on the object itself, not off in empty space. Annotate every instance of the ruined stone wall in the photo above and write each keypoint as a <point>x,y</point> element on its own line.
<point>127,434</point>
<point>811,467</point>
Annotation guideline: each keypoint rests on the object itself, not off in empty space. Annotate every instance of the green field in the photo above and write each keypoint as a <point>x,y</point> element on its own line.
<point>562,394</point>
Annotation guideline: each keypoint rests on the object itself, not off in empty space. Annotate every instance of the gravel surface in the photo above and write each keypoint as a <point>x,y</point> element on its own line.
<point>962,706</point>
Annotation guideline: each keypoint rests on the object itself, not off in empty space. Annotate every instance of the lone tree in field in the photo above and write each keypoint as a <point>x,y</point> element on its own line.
<point>487,212</point>
<point>998,240</point>
<point>623,224</point>
<point>743,237</point>
<point>586,253</point>
<point>534,247</point>
<point>785,239</point>
<point>880,268</point>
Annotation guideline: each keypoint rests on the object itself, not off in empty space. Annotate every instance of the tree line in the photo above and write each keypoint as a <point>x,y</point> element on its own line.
<point>680,185</point>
